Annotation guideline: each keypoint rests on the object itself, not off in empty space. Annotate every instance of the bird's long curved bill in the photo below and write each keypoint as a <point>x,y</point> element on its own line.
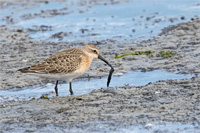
<point>111,70</point>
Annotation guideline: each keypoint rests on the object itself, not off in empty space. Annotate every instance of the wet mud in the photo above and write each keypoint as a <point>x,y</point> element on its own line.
<point>19,51</point>
<point>174,101</point>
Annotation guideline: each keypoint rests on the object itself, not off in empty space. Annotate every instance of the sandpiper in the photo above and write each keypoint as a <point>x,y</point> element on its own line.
<point>67,65</point>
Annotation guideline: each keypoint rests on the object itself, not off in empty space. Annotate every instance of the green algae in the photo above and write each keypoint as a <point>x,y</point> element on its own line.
<point>147,52</point>
<point>44,97</point>
<point>166,54</point>
<point>4,106</point>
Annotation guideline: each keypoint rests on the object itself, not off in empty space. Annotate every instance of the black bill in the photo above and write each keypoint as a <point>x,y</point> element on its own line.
<point>111,70</point>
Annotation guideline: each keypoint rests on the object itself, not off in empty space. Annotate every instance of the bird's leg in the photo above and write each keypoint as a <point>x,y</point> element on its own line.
<point>70,88</point>
<point>56,88</point>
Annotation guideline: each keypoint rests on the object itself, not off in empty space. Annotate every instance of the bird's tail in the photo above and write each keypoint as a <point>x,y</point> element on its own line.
<point>24,70</point>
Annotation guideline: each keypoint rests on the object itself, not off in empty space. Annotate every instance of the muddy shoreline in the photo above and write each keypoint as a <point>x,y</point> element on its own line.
<point>169,101</point>
<point>19,51</point>
<point>160,102</point>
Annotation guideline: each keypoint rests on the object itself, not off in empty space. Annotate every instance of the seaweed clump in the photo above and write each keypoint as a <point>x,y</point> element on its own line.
<point>147,52</point>
<point>166,54</point>
<point>44,97</point>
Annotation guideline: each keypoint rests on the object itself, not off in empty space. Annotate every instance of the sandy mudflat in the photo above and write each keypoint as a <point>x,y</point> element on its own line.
<point>160,102</point>
<point>19,51</point>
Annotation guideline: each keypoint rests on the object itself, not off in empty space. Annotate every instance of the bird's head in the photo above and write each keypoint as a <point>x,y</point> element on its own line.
<point>91,50</point>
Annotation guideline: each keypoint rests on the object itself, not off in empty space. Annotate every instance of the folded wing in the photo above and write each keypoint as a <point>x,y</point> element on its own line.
<point>63,62</point>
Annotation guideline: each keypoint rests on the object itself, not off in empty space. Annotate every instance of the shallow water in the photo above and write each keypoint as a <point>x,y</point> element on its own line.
<point>86,86</point>
<point>102,127</point>
<point>97,126</point>
<point>138,19</point>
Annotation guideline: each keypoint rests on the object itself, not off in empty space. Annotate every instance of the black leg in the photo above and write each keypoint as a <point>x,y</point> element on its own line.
<point>56,88</point>
<point>70,88</point>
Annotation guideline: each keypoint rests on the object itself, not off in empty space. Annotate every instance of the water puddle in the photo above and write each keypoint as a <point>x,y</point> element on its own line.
<point>137,19</point>
<point>102,127</point>
<point>150,128</point>
<point>86,86</point>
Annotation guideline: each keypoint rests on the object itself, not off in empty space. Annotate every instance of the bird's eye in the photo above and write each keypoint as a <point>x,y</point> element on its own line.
<point>94,51</point>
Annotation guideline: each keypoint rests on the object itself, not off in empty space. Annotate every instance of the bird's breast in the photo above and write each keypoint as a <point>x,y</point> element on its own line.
<point>84,65</point>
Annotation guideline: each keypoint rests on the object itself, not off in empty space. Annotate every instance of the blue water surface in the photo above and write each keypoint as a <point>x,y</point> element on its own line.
<point>87,85</point>
<point>134,19</point>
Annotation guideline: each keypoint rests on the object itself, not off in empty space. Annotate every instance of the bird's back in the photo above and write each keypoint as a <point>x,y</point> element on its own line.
<point>66,61</point>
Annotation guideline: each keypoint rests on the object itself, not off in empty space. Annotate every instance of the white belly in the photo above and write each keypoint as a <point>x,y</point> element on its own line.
<point>59,76</point>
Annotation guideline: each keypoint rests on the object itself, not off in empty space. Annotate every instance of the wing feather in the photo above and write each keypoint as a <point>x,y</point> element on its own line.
<point>63,62</point>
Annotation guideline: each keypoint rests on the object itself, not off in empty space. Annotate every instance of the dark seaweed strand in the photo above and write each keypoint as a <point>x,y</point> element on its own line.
<point>111,70</point>
<point>110,75</point>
